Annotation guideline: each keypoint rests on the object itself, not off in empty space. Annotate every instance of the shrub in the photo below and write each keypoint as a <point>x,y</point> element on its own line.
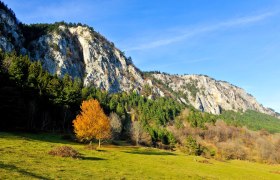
<point>138,134</point>
<point>266,150</point>
<point>208,152</point>
<point>231,150</point>
<point>192,147</point>
<point>65,151</point>
<point>227,142</point>
<point>116,125</point>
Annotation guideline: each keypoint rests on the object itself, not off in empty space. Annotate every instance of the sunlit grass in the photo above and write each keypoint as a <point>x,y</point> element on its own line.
<point>25,156</point>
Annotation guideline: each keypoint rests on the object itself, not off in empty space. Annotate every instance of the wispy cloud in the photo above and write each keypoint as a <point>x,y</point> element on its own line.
<point>176,63</point>
<point>188,33</point>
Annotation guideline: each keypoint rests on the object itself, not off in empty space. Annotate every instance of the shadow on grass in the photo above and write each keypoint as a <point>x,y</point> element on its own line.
<point>93,158</point>
<point>10,167</point>
<point>101,150</point>
<point>46,137</point>
<point>150,152</point>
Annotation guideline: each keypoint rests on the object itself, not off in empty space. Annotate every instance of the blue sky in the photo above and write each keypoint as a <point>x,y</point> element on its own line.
<point>236,41</point>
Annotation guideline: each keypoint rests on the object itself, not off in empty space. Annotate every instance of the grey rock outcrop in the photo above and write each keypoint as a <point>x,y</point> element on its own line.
<point>81,52</point>
<point>210,95</point>
<point>10,35</point>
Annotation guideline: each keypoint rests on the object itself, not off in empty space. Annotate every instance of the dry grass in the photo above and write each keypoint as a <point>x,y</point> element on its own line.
<point>65,151</point>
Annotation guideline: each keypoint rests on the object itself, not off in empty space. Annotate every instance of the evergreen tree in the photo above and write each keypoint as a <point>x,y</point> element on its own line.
<point>18,68</point>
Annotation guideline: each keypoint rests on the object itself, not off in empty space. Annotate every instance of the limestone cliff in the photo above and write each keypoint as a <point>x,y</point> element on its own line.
<point>10,35</point>
<point>81,52</point>
<point>210,95</point>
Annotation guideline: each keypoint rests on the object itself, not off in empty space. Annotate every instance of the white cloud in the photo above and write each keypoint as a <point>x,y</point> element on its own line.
<point>188,33</point>
<point>175,63</point>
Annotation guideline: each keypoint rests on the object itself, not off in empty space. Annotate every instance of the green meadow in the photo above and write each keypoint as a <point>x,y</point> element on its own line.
<point>25,156</point>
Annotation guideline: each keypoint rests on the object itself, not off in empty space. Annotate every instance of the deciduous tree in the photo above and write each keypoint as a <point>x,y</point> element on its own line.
<point>92,123</point>
<point>116,125</point>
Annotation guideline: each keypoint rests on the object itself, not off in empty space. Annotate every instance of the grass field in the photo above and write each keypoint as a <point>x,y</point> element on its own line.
<point>25,156</point>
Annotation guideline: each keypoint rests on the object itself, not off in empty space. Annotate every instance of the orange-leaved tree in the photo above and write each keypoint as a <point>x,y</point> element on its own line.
<point>92,122</point>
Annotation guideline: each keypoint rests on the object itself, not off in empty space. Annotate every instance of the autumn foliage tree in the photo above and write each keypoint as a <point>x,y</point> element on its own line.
<point>92,123</point>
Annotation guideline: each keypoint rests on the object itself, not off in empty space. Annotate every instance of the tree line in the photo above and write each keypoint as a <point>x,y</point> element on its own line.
<point>33,99</point>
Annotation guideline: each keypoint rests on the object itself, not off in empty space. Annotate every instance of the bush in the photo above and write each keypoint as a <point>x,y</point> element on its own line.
<point>65,151</point>
<point>208,152</point>
<point>138,134</point>
<point>225,142</point>
<point>232,150</point>
<point>192,147</point>
<point>116,125</point>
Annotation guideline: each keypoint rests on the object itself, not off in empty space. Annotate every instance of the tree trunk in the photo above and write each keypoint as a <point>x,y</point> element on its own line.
<point>65,108</point>
<point>99,143</point>
<point>137,140</point>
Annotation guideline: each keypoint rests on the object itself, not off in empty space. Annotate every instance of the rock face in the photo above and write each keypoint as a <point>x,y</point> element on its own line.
<point>81,52</point>
<point>210,95</point>
<point>10,34</point>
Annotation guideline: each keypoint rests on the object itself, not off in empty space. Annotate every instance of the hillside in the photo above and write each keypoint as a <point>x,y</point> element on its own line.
<point>209,95</point>
<point>65,87</point>
<point>25,156</point>
<point>253,120</point>
<point>79,51</point>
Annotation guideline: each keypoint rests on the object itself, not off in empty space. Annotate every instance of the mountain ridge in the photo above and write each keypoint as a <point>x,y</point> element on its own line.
<point>78,50</point>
